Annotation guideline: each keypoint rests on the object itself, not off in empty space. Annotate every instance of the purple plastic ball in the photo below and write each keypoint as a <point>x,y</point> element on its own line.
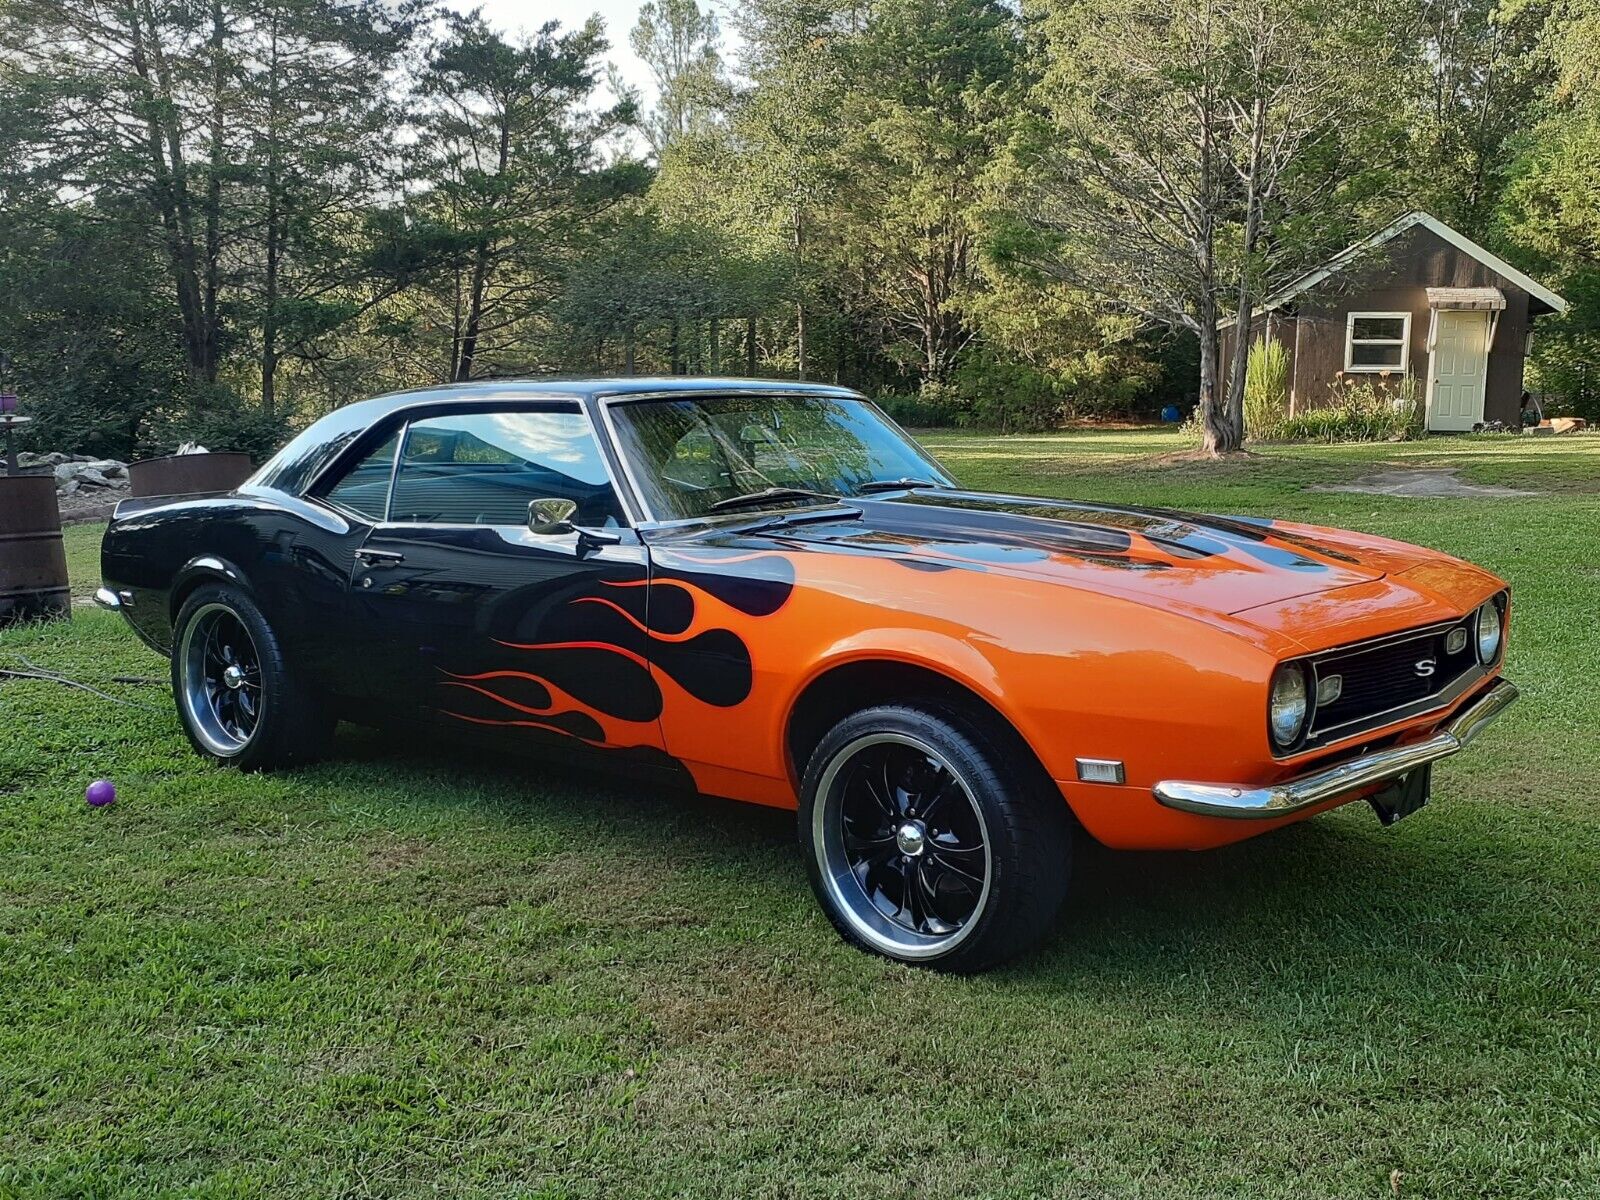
<point>100,793</point>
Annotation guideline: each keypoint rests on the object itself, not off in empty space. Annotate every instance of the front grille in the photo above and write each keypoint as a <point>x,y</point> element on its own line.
<point>1392,678</point>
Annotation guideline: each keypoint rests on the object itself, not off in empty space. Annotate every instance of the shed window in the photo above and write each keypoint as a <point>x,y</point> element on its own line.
<point>1376,341</point>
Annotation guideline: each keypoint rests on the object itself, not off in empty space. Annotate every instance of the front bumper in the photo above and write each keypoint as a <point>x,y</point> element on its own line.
<point>1241,801</point>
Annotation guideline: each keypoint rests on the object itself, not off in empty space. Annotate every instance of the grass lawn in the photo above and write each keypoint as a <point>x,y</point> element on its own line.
<point>405,972</point>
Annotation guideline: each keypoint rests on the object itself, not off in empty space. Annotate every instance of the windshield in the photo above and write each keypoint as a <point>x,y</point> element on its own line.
<point>691,454</point>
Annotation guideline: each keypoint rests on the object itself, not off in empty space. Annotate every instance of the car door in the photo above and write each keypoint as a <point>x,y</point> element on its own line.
<point>469,618</point>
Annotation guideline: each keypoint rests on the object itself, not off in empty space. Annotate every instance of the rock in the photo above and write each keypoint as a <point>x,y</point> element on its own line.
<point>65,471</point>
<point>88,476</point>
<point>67,488</point>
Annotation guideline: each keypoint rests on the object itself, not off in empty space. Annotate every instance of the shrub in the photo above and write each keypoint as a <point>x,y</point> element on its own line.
<point>220,422</point>
<point>918,410</point>
<point>1360,412</point>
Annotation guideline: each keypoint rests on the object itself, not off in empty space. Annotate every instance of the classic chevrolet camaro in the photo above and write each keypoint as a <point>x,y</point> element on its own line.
<point>767,591</point>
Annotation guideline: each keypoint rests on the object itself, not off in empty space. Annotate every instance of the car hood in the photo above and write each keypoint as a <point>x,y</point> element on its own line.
<point>1178,559</point>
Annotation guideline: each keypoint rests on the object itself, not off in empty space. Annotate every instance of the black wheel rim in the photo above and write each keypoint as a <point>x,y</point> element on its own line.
<point>903,846</point>
<point>221,680</point>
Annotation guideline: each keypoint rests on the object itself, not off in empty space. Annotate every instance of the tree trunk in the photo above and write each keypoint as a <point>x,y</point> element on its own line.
<point>1219,437</point>
<point>800,305</point>
<point>269,314</point>
<point>629,347</point>
<point>1218,433</point>
<point>750,347</point>
<point>1244,302</point>
<point>674,349</point>
<point>213,199</point>
<point>170,183</point>
<point>482,263</point>
<point>468,354</point>
<point>714,350</point>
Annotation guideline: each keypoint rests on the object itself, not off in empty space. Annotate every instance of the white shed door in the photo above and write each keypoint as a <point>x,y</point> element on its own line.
<point>1460,367</point>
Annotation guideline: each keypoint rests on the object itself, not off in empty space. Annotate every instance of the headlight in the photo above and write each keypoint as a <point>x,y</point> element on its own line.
<point>1490,626</point>
<point>1287,705</point>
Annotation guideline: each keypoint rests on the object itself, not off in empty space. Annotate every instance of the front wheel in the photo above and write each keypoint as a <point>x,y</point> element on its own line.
<point>240,702</point>
<point>930,837</point>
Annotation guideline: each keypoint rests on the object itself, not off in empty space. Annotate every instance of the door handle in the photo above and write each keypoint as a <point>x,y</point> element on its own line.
<point>380,558</point>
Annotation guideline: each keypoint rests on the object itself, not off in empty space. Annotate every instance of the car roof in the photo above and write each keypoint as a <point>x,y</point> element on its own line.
<point>597,387</point>
<point>294,467</point>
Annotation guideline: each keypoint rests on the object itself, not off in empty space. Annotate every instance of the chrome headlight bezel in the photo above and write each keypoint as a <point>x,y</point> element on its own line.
<point>1288,706</point>
<point>1489,631</point>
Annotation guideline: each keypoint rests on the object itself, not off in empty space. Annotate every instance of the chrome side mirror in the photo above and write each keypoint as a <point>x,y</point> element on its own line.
<point>551,515</point>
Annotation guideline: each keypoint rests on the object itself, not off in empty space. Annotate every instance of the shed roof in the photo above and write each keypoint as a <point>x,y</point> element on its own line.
<point>1388,233</point>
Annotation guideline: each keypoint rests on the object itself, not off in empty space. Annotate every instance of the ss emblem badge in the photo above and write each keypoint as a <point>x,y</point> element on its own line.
<point>1426,667</point>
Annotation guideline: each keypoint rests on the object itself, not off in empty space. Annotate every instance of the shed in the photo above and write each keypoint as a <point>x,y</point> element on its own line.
<point>1415,300</point>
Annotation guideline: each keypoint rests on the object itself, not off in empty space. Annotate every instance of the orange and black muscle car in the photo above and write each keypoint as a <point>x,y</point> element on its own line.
<point>768,592</point>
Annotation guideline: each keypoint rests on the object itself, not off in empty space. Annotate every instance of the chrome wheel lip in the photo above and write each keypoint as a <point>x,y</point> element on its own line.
<point>194,673</point>
<point>844,889</point>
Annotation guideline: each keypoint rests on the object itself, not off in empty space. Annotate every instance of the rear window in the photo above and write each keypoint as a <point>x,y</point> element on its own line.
<point>365,487</point>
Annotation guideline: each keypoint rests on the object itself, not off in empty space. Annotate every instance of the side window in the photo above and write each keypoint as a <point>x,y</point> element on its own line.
<point>484,469</point>
<point>365,487</point>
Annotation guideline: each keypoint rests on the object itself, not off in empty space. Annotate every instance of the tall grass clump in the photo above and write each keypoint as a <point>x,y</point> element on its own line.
<point>1266,390</point>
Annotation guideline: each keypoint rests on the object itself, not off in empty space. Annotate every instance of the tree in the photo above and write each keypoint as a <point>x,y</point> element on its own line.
<point>1479,72</point>
<point>252,136</point>
<point>680,44</point>
<point>513,153</point>
<point>1551,209</point>
<point>317,122</point>
<point>933,85</point>
<point>1192,153</point>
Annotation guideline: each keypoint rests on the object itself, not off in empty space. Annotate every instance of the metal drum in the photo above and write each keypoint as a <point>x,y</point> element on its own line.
<point>186,474</point>
<point>33,561</point>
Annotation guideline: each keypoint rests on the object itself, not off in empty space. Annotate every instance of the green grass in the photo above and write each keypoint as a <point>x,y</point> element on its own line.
<point>407,972</point>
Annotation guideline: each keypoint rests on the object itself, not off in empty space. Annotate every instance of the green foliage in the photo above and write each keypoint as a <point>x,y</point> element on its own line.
<point>1266,389</point>
<point>1360,411</point>
<point>679,42</point>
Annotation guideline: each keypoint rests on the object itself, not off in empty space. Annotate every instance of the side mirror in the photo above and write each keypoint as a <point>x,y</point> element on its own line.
<point>551,515</point>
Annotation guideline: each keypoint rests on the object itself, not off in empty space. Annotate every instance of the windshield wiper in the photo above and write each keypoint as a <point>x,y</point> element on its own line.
<point>894,485</point>
<point>767,496</point>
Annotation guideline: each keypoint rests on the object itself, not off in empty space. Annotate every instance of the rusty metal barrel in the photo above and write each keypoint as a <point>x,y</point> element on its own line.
<point>33,560</point>
<point>186,474</point>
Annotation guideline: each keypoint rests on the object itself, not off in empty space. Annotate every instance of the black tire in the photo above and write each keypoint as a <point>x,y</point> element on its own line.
<point>1021,817</point>
<point>260,719</point>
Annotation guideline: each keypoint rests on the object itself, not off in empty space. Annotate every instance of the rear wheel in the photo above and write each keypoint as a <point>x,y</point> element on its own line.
<point>931,839</point>
<point>238,699</point>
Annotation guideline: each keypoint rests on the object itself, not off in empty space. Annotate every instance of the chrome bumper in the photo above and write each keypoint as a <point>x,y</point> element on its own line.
<point>1281,799</point>
<point>108,599</point>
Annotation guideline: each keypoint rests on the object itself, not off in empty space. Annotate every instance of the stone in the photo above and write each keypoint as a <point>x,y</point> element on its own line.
<point>92,478</point>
